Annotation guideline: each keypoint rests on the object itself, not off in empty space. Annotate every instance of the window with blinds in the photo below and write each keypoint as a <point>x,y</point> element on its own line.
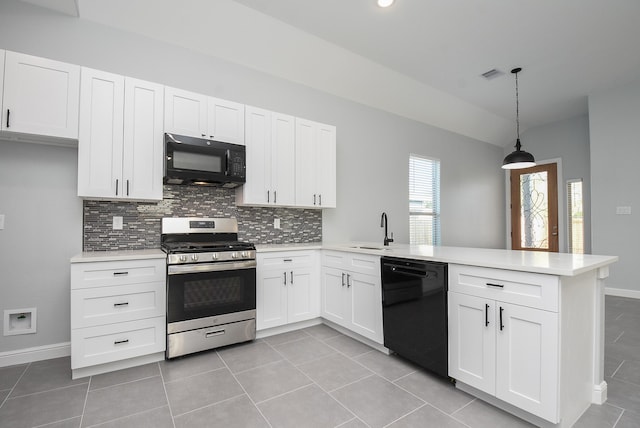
<point>576,216</point>
<point>424,200</point>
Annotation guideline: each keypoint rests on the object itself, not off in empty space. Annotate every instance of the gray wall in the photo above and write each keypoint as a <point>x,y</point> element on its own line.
<point>569,141</point>
<point>373,147</point>
<point>614,118</point>
<point>43,230</point>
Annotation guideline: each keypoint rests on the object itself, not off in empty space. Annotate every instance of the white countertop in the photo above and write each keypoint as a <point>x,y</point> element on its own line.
<point>107,256</point>
<point>527,261</point>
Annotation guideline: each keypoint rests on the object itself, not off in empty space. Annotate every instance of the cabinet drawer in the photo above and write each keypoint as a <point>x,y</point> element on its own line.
<point>522,288</point>
<point>104,344</point>
<point>101,274</point>
<point>279,259</point>
<point>107,305</point>
<point>353,262</point>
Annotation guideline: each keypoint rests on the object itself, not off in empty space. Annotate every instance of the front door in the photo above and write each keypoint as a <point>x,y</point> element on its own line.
<point>534,208</point>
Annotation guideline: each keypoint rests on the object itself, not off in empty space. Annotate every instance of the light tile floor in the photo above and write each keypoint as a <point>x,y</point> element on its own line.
<point>314,377</point>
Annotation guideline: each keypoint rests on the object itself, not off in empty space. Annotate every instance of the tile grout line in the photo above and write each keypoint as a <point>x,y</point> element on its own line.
<point>618,368</point>
<point>86,398</point>
<point>406,414</point>
<point>15,384</point>
<point>124,383</point>
<point>619,336</point>
<point>211,404</point>
<point>245,391</point>
<point>619,417</point>
<point>166,395</point>
<point>119,418</point>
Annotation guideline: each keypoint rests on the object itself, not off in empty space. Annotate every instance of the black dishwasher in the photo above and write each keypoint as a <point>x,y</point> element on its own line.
<point>414,310</point>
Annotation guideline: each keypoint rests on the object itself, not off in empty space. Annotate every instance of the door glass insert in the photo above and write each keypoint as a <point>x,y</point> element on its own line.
<point>534,210</point>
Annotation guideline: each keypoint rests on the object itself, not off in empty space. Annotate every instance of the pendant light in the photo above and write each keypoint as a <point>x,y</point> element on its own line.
<point>518,159</point>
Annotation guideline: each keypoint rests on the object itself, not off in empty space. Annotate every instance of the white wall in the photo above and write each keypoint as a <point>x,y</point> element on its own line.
<point>373,147</point>
<point>567,140</point>
<point>614,119</point>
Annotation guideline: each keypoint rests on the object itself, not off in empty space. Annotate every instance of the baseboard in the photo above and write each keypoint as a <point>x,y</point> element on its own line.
<point>622,292</point>
<point>38,353</point>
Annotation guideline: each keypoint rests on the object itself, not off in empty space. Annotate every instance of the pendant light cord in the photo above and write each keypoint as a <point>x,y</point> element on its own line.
<point>517,108</point>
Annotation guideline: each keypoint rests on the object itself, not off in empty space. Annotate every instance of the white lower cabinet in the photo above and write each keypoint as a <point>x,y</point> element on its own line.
<point>117,314</point>
<point>505,349</point>
<point>352,293</point>
<point>287,289</point>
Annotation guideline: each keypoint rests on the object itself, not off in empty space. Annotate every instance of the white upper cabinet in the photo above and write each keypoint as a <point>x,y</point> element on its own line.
<point>270,141</point>
<point>185,113</point>
<point>315,164</point>
<point>200,116</point>
<point>40,96</point>
<point>225,121</point>
<point>120,141</point>
<point>2,54</point>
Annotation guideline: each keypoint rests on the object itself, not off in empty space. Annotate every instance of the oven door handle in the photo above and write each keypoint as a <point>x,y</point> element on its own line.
<point>210,267</point>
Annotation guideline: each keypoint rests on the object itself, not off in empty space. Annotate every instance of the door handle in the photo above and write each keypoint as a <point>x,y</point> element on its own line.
<point>275,196</point>
<point>486,314</point>
<point>314,199</point>
<point>343,279</point>
<point>127,187</point>
<point>320,200</point>
<point>213,333</point>
<point>268,196</point>
<point>116,187</point>
<point>501,324</point>
<point>291,282</point>
<point>285,278</point>
<point>118,305</point>
<point>8,114</point>
<point>348,278</point>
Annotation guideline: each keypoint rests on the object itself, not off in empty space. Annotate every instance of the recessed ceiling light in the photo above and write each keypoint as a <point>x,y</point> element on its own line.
<point>385,3</point>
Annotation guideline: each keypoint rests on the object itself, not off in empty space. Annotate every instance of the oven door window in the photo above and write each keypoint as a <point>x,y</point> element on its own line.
<point>206,294</point>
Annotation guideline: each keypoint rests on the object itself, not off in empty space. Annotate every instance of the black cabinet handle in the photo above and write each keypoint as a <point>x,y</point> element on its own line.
<point>486,314</point>
<point>320,199</point>
<point>275,196</point>
<point>501,325</point>
<point>116,187</point>
<point>127,187</point>
<point>8,114</point>
<point>285,278</point>
<point>119,342</point>
<point>343,279</point>
<point>117,305</point>
<point>314,199</point>
<point>120,273</point>
<point>268,196</point>
<point>291,282</point>
<point>495,285</point>
<point>348,278</point>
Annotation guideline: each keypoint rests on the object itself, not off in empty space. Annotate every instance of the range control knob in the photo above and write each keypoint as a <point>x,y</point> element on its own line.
<point>245,254</point>
<point>214,256</point>
<point>183,258</point>
<point>234,255</point>
<point>194,257</point>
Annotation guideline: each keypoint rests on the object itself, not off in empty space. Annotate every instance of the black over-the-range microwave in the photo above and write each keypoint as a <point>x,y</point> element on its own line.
<point>198,161</point>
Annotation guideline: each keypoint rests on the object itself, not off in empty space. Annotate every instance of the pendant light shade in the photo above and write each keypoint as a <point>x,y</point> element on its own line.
<point>518,159</point>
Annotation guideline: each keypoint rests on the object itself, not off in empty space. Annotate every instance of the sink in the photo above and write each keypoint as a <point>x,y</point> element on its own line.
<point>367,247</point>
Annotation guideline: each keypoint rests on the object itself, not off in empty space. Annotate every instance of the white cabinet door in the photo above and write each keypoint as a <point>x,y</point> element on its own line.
<point>472,341</point>
<point>527,359</point>
<point>185,113</point>
<point>143,140</point>
<point>334,296</point>
<point>100,139</point>
<point>283,172</point>
<point>2,54</point>
<point>366,305</point>
<point>306,194</point>
<point>225,121</point>
<point>271,299</point>
<point>326,166</point>
<point>40,96</point>
<point>302,294</point>
<point>258,187</point>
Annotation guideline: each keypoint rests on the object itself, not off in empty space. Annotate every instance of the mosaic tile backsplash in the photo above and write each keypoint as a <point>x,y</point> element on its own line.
<point>141,220</point>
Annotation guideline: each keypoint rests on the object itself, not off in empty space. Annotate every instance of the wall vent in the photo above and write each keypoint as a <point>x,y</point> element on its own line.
<point>492,74</point>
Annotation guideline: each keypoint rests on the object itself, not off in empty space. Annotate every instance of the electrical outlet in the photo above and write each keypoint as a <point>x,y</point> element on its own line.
<point>117,222</point>
<point>276,223</point>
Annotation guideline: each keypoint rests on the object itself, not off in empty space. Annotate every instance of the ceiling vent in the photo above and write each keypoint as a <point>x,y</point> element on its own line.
<point>492,74</point>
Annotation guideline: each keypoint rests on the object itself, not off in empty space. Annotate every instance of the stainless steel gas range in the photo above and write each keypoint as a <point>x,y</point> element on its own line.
<point>211,284</point>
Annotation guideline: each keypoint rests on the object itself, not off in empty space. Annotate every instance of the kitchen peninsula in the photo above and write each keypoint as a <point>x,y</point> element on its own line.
<point>526,329</point>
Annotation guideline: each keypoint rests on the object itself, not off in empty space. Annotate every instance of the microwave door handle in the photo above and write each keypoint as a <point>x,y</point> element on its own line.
<point>226,167</point>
